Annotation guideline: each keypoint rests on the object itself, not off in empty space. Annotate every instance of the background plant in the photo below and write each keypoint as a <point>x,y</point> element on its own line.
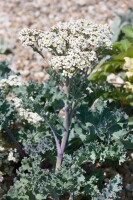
<point>117,67</point>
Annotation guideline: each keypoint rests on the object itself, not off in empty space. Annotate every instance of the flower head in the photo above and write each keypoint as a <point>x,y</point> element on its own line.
<point>75,45</point>
<point>28,36</point>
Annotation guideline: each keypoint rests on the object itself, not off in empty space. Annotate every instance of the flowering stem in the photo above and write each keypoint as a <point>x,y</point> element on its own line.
<point>65,137</point>
<point>36,48</point>
<point>67,124</point>
<point>66,130</point>
<point>38,51</point>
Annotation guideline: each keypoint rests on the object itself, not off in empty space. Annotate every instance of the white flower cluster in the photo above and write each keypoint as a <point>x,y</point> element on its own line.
<point>77,35</point>
<point>12,80</point>
<point>74,45</point>
<point>31,117</point>
<point>74,61</point>
<point>29,36</point>
<point>11,156</point>
<point>26,114</point>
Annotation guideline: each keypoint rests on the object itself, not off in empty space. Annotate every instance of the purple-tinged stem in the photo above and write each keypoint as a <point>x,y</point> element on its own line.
<point>66,131</point>
<point>65,137</point>
<point>59,160</point>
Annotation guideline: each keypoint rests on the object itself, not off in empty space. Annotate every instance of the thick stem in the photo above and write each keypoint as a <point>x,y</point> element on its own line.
<point>65,137</point>
<point>66,129</point>
<point>59,160</point>
<point>67,124</point>
<point>66,132</point>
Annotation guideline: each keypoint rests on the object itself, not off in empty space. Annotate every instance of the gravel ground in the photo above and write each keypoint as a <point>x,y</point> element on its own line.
<point>42,14</point>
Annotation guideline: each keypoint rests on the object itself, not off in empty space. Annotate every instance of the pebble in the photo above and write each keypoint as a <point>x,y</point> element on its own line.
<point>42,14</point>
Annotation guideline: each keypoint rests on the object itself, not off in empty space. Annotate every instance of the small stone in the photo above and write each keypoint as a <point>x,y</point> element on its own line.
<point>25,72</point>
<point>39,74</point>
<point>81,2</point>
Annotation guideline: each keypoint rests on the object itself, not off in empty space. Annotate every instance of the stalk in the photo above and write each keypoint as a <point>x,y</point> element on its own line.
<point>67,125</point>
<point>65,137</point>
<point>66,130</point>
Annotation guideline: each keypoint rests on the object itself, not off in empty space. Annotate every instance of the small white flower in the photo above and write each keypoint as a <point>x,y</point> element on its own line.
<point>11,156</point>
<point>31,98</point>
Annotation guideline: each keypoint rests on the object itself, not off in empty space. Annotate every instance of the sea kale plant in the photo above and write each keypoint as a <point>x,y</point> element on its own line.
<point>64,129</point>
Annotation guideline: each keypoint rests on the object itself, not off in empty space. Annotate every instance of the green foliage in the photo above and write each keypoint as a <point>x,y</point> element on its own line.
<point>4,69</point>
<point>114,64</point>
<point>7,112</point>
<point>122,27</point>
<point>128,31</point>
<point>38,184</point>
<point>119,22</point>
<point>112,189</point>
<point>97,127</point>
<point>101,131</point>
